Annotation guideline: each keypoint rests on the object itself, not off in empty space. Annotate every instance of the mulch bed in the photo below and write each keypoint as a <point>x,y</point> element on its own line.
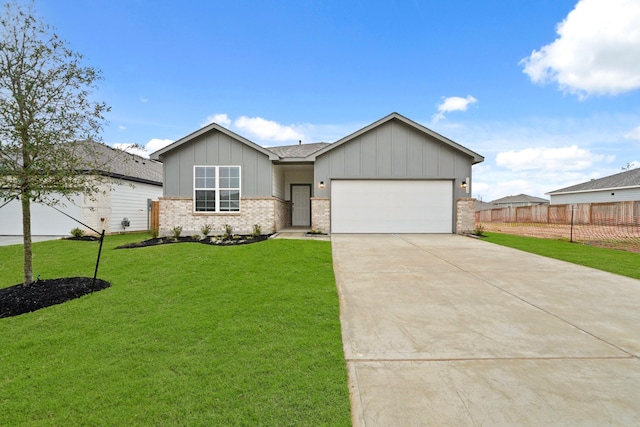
<point>209,240</point>
<point>20,299</point>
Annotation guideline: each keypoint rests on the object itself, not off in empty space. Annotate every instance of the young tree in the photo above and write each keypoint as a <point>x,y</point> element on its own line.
<point>45,114</point>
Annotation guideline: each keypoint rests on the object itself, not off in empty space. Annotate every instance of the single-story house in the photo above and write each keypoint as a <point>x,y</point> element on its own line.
<point>519,200</point>
<point>392,176</point>
<point>485,206</point>
<point>124,198</point>
<point>620,187</point>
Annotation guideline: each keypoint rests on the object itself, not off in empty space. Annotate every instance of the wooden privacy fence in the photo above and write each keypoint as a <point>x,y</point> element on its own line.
<point>613,225</point>
<point>617,213</point>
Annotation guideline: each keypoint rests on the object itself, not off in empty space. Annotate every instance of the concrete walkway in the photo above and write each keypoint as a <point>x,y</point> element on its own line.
<point>445,330</point>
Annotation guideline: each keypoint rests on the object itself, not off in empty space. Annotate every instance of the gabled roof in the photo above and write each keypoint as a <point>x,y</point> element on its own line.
<point>477,158</point>
<point>157,155</point>
<point>297,151</point>
<point>520,198</point>
<point>627,179</point>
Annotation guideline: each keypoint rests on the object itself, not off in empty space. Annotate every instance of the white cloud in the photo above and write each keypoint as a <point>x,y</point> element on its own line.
<point>634,134</point>
<point>221,119</point>
<point>267,130</point>
<point>453,103</point>
<point>543,158</point>
<point>597,50</point>
<point>121,128</point>
<point>156,144</point>
<point>144,100</point>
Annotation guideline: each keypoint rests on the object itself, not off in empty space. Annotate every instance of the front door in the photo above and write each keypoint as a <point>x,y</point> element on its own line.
<point>301,205</point>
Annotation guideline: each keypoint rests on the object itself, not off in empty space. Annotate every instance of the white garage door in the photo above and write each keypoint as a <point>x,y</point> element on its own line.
<point>45,221</point>
<point>391,206</point>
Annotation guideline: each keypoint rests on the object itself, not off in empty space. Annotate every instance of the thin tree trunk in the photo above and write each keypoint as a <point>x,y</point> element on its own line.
<point>26,234</point>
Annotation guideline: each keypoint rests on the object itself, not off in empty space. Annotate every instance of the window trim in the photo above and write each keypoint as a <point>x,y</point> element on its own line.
<point>217,189</point>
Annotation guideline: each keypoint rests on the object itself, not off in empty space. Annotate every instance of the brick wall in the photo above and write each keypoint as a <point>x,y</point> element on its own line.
<point>267,212</point>
<point>282,214</point>
<point>465,216</point>
<point>321,214</point>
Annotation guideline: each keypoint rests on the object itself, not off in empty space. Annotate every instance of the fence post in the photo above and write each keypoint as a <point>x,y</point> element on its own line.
<point>571,237</point>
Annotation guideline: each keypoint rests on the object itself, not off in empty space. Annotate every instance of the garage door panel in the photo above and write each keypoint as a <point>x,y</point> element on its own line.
<point>45,221</point>
<point>391,206</point>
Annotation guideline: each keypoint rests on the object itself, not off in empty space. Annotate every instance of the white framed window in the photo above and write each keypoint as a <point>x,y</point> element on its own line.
<point>216,188</point>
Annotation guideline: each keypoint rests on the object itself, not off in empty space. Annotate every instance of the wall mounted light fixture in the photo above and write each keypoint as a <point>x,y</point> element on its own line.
<point>321,185</point>
<point>465,185</point>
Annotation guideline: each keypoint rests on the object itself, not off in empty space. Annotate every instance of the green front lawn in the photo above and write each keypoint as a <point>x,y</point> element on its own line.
<point>611,260</point>
<point>188,334</point>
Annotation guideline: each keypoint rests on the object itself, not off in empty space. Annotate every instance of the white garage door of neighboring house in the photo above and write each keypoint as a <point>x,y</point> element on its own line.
<point>45,221</point>
<point>391,206</point>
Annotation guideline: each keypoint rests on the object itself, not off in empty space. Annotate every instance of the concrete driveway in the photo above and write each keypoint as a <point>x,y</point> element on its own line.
<point>445,330</point>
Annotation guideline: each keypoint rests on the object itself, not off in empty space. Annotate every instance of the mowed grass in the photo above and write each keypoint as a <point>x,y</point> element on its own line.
<point>188,334</point>
<point>611,260</point>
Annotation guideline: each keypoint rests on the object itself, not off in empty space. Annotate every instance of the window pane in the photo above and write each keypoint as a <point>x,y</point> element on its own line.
<point>230,177</point>
<point>205,200</point>
<point>205,177</point>
<point>229,201</point>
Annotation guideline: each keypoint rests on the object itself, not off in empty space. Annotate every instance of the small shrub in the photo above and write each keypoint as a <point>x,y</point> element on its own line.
<point>177,230</point>
<point>228,231</point>
<point>479,230</point>
<point>196,237</point>
<point>314,231</point>
<point>257,230</point>
<point>205,229</point>
<point>154,233</point>
<point>76,232</point>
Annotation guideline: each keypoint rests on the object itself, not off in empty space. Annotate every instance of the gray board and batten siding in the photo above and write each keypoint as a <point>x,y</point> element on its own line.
<point>216,148</point>
<point>393,150</point>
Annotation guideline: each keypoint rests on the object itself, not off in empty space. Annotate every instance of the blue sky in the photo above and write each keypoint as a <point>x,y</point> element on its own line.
<point>546,90</point>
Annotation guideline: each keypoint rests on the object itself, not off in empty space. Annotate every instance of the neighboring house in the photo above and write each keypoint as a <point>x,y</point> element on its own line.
<point>393,176</point>
<point>484,206</point>
<point>621,187</point>
<point>519,200</point>
<point>132,182</point>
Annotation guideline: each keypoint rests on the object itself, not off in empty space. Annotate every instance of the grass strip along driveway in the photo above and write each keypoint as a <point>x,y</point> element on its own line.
<point>188,334</point>
<point>611,260</point>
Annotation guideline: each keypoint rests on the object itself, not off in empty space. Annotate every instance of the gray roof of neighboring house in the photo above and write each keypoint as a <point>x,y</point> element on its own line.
<point>484,206</point>
<point>120,164</point>
<point>298,150</point>
<point>520,198</point>
<point>630,178</point>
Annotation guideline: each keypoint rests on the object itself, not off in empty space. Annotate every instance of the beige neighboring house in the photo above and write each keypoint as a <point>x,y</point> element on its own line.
<point>392,176</point>
<point>133,182</point>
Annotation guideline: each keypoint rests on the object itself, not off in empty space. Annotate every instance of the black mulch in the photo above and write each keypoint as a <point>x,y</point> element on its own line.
<point>216,241</point>
<point>21,299</point>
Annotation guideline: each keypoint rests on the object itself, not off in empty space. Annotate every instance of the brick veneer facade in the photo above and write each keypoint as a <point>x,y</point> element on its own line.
<point>466,216</point>
<point>321,214</point>
<point>269,213</point>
